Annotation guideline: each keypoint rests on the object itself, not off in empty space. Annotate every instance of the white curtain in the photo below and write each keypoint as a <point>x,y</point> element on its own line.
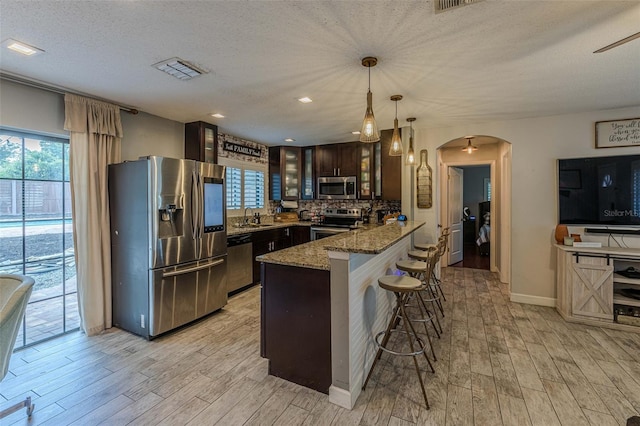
<point>95,133</point>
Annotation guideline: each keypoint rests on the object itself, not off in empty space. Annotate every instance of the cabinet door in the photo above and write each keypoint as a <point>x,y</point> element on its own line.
<point>347,159</point>
<point>390,169</point>
<point>307,178</point>
<point>275,176</point>
<point>366,174</point>
<point>300,235</point>
<point>201,142</point>
<point>326,160</point>
<point>592,285</point>
<point>290,166</point>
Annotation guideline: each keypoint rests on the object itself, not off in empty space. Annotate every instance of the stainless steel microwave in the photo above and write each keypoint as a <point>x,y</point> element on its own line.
<point>337,188</point>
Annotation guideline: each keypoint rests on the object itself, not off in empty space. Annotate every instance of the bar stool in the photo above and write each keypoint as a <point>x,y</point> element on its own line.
<point>402,287</point>
<point>421,270</point>
<point>426,261</point>
<point>441,245</point>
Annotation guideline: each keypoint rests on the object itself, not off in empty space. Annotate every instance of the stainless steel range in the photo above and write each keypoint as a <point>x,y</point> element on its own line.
<point>336,221</point>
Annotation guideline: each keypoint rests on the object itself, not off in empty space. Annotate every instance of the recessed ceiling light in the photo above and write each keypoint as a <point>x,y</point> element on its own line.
<point>357,132</point>
<point>179,68</point>
<point>305,100</point>
<point>289,140</point>
<point>217,115</point>
<point>20,47</point>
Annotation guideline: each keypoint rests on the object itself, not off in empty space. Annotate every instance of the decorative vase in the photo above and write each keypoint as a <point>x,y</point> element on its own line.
<point>561,232</point>
<point>423,182</point>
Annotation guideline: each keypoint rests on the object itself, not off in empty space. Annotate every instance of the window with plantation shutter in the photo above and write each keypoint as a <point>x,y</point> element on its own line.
<point>234,188</point>
<point>245,185</point>
<point>253,189</point>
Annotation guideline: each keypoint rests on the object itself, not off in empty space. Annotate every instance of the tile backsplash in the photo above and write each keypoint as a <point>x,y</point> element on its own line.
<point>318,206</point>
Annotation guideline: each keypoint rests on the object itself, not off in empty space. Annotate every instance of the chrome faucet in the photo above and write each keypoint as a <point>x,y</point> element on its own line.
<point>245,221</point>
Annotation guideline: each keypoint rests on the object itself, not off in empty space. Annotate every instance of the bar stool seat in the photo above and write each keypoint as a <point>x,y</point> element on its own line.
<point>425,246</point>
<point>412,266</point>
<point>402,287</point>
<point>399,283</point>
<point>422,255</point>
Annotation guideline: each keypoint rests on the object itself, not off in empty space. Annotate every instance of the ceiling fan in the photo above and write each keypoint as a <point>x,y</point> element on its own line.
<point>618,43</point>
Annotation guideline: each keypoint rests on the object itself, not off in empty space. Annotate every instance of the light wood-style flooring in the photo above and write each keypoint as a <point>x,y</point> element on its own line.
<point>498,363</point>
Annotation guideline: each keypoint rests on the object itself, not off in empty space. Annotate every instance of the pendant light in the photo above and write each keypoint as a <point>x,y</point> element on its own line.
<point>411,156</point>
<point>469,148</point>
<point>369,132</point>
<point>395,150</point>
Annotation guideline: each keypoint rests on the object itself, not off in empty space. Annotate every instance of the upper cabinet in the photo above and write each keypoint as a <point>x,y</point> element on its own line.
<point>340,159</point>
<point>389,173</point>
<point>201,142</point>
<point>379,174</point>
<point>291,173</point>
<point>293,170</point>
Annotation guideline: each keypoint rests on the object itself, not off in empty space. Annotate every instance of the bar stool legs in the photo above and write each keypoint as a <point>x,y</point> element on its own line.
<point>402,287</point>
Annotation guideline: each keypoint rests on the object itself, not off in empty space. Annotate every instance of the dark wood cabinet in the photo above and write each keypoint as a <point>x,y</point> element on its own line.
<point>291,173</point>
<point>270,240</point>
<point>390,170</point>
<point>267,241</point>
<point>340,159</point>
<point>201,142</point>
<point>300,235</point>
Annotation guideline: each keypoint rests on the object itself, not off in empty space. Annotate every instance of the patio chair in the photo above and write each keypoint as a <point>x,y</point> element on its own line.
<point>14,295</point>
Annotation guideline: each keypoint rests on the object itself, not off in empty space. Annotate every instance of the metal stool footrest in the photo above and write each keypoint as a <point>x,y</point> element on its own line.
<point>387,350</point>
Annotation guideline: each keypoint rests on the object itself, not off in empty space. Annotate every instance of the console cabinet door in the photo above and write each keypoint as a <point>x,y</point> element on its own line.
<point>592,282</point>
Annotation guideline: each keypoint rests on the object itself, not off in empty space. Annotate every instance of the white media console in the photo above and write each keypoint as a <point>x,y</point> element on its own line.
<point>588,286</point>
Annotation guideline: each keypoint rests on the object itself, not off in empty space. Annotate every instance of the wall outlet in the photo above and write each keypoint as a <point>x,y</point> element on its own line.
<point>142,320</point>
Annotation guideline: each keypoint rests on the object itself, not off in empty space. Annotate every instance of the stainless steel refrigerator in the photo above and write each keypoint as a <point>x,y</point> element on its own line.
<point>168,243</point>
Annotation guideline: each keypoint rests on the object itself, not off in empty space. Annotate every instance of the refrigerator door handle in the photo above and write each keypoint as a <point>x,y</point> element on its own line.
<point>195,208</point>
<point>200,205</point>
<point>192,269</point>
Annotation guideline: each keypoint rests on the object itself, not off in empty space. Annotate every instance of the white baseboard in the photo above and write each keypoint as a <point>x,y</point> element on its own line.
<point>533,300</point>
<point>341,397</point>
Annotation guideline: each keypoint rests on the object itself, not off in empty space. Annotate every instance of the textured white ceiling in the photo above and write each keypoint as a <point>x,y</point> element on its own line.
<point>489,60</point>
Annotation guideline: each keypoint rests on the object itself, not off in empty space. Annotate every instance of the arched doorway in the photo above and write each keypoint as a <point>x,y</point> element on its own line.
<point>493,230</point>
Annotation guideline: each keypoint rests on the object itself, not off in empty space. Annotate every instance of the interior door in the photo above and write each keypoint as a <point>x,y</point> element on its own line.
<point>455,182</point>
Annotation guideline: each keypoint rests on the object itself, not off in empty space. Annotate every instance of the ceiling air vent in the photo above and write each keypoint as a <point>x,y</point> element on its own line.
<point>179,68</point>
<point>443,5</point>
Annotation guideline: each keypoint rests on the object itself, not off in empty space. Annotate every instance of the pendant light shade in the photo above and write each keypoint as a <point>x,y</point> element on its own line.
<point>369,132</point>
<point>411,156</point>
<point>395,150</point>
<point>469,148</point>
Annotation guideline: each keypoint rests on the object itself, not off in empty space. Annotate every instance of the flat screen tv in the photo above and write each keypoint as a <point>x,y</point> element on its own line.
<point>599,191</point>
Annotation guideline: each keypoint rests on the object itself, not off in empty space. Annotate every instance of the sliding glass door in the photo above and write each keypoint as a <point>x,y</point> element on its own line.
<point>35,230</point>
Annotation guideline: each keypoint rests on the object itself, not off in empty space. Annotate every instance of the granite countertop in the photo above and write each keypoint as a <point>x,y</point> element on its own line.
<point>370,239</point>
<point>235,230</point>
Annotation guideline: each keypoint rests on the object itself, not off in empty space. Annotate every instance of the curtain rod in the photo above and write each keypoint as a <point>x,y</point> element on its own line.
<point>57,89</point>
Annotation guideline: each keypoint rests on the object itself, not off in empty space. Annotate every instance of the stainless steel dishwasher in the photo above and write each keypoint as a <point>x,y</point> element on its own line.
<point>239,261</point>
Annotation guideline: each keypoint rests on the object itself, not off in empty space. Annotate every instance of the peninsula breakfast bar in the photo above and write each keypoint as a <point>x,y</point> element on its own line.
<point>321,307</point>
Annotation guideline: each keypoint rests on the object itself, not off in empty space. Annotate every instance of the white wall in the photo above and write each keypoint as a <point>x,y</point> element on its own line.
<point>27,108</point>
<point>536,145</point>
<point>146,134</point>
<point>31,109</point>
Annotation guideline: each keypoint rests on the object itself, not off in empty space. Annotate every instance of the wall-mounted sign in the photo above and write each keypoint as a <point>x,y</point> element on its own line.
<point>242,149</point>
<point>618,133</point>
